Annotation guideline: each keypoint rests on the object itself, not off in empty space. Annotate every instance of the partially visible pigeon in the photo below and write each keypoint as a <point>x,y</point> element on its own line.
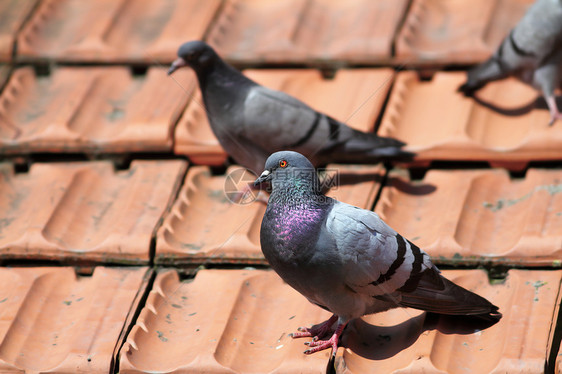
<point>251,121</point>
<point>346,259</point>
<point>532,52</point>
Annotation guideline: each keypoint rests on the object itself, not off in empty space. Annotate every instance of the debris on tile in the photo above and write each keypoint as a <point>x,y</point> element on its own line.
<point>54,321</point>
<point>119,31</point>
<point>109,111</point>
<point>354,96</point>
<point>245,326</point>
<point>507,122</point>
<point>456,31</point>
<point>84,212</point>
<point>406,339</point>
<point>479,216</point>
<point>14,13</point>
<point>307,32</point>
<point>230,331</point>
<point>207,225</point>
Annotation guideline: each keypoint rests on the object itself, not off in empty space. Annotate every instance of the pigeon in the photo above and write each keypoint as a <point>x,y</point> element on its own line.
<point>531,52</point>
<point>251,121</point>
<point>347,260</point>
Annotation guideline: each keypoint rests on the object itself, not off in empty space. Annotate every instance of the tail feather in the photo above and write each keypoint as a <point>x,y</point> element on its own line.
<point>434,293</point>
<point>368,147</point>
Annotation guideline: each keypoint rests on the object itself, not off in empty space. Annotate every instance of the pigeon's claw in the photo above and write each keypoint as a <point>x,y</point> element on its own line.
<point>320,345</point>
<point>317,331</point>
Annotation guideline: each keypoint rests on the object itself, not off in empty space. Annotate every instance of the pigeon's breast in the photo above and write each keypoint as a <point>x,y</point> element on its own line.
<point>288,233</point>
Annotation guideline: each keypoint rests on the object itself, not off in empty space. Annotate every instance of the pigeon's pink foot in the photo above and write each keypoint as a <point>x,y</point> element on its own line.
<point>319,345</point>
<point>316,331</point>
<point>553,109</point>
<point>554,117</point>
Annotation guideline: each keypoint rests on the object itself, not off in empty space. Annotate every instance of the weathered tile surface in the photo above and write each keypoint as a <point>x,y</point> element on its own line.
<point>204,225</point>
<point>54,321</point>
<point>475,216</point>
<point>113,30</point>
<point>12,15</point>
<point>456,31</point>
<point>441,124</point>
<point>110,110</point>
<point>244,328</point>
<point>353,96</point>
<point>84,211</point>
<point>309,32</point>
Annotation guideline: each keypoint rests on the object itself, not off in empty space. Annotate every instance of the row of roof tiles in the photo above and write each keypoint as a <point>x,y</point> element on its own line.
<point>56,321</point>
<point>114,111</point>
<point>440,31</point>
<point>91,212</point>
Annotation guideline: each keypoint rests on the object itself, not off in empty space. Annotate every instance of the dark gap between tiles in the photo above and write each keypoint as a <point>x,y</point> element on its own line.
<point>399,26</point>
<point>550,365</point>
<point>380,116</point>
<point>24,22</point>
<point>114,366</point>
<point>173,197</point>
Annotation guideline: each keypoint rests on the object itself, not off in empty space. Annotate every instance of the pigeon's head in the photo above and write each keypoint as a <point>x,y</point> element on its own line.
<point>196,54</point>
<point>288,167</point>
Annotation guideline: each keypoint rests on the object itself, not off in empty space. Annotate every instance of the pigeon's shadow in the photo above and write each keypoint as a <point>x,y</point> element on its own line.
<point>382,342</point>
<point>349,178</point>
<point>538,103</point>
<point>409,188</point>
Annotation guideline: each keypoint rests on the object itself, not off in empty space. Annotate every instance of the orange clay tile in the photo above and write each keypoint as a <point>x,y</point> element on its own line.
<point>84,212</point>
<point>441,124</point>
<point>54,321</point>
<point>244,328</point>
<point>301,31</point>
<point>353,96</point>
<point>472,216</point>
<point>109,110</point>
<point>204,225</point>
<point>13,13</point>
<point>456,31</point>
<point>113,30</point>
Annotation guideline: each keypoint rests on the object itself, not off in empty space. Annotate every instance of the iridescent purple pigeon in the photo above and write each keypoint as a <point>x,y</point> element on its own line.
<point>347,260</point>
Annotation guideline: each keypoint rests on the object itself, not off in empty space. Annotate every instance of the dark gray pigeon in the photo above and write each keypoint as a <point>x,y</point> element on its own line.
<point>532,52</point>
<point>347,260</point>
<point>251,121</point>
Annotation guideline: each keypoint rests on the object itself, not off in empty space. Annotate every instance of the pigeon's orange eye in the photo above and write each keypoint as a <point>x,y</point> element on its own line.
<point>283,163</point>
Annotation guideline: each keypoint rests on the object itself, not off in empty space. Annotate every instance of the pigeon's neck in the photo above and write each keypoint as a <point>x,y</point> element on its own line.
<point>219,79</point>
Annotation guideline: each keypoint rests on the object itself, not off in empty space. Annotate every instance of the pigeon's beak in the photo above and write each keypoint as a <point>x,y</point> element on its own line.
<point>178,63</point>
<point>265,176</point>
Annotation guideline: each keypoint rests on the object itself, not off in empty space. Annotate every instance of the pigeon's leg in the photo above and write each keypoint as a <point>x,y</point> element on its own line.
<point>320,345</point>
<point>317,331</point>
<point>547,77</point>
<point>553,108</point>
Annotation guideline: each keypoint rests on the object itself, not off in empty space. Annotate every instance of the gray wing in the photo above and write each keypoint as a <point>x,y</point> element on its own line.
<point>382,264</point>
<point>377,260</point>
<point>279,121</point>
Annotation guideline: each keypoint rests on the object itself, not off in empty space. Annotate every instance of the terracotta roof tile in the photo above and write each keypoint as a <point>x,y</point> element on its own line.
<point>456,31</point>
<point>204,225</point>
<point>353,96</point>
<point>472,216</point>
<point>14,13</point>
<point>54,321</point>
<point>307,31</point>
<point>113,31</point>
<point>88,211</point>
<point>441,124</point>
<point>110,110</point>
<point>244,327</point>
